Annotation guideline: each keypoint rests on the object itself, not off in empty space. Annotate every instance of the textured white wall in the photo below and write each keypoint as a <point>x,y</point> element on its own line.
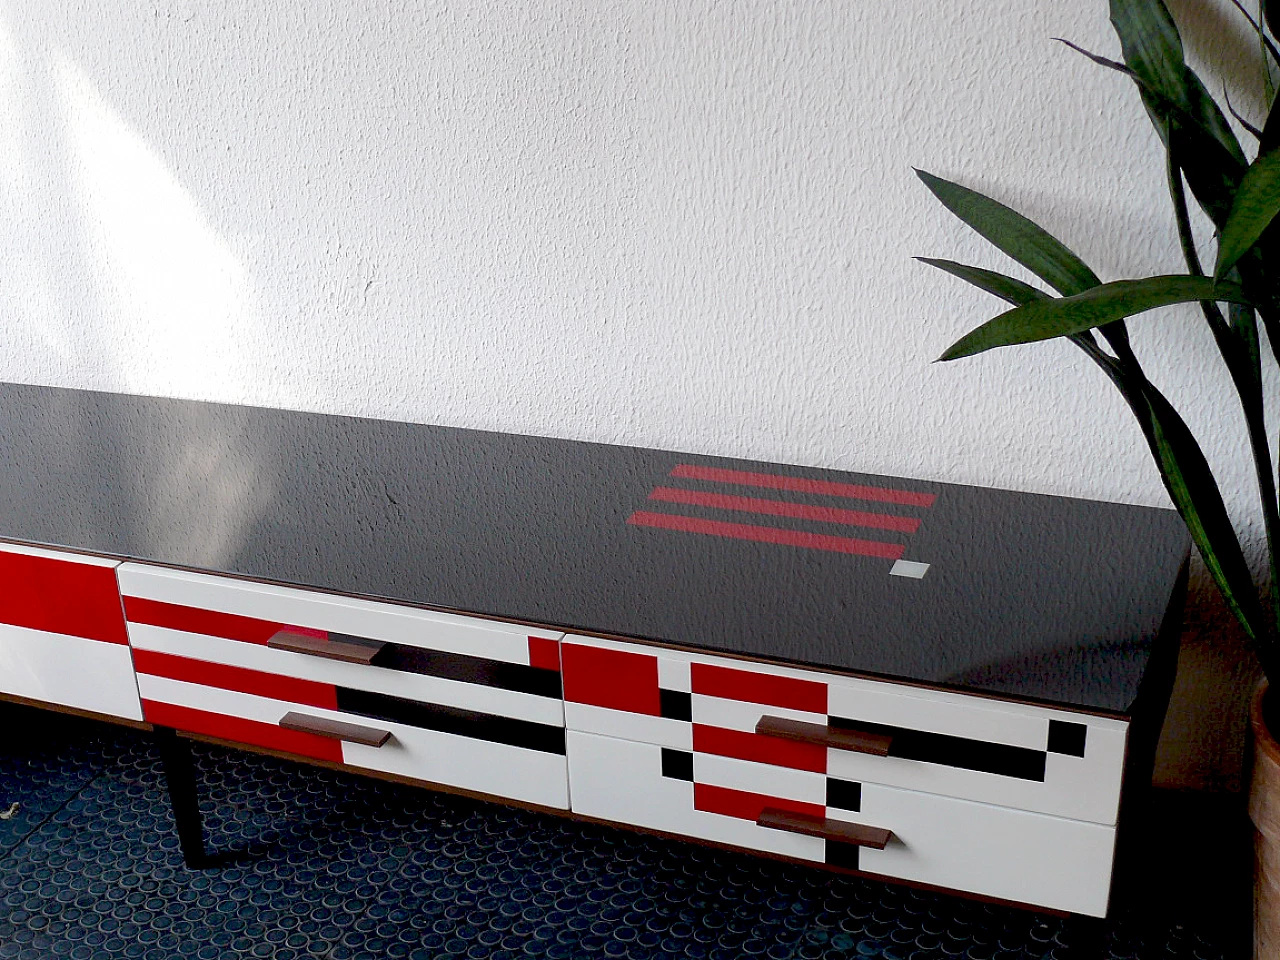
<point>674,223</point>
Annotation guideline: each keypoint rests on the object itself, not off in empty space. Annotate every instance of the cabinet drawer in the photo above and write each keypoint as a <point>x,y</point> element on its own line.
<point>498,756</point>
<point>980,848</point>
<point>1014,755</point>
<point>469,703</point>
<point>62,635</point>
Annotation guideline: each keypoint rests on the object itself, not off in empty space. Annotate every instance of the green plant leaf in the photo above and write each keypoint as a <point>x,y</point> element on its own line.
<point>1015,235</point>
<point>1257,202</point>
<point>1006,288</point>
<point>1104,304</point>
<point>1153,51</point>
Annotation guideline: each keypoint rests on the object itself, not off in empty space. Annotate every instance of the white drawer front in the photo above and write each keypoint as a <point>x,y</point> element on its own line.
<point>62,636</point>
<point>531,769</point>
<point>979,848</point>
<point>448,633</point>
<point>1014,755</point>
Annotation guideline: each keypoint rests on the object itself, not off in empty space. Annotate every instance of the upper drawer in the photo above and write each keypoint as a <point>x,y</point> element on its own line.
<point>62,636</point>
<point>1015,755</point>
<point>480,665</point>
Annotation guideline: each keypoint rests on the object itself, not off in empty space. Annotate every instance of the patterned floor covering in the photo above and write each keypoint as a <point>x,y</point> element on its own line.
<point>336,867</point>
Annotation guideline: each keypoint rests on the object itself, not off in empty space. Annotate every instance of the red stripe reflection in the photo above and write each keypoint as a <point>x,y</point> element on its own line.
<point>780,508</point>
<point>790,538</point>
<point>772,481</point>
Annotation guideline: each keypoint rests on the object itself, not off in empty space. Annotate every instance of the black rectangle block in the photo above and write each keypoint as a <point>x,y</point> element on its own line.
<point>675,705</point>
<point>842,855</point>
<point>1068,738</point>
<point>844,794</point>
<point>466,669</point>
<point>677,764</point>
<point>999,758</point>
<point>454,720</point>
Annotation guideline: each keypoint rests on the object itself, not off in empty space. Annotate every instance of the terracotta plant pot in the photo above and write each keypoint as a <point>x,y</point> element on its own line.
<point>1264,811</point>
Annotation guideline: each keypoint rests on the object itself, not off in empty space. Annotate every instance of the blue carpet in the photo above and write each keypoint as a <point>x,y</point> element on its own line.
<point>339,867</point>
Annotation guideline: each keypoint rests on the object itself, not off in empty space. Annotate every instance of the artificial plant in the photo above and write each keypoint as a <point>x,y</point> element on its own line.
<point>1240,198</point>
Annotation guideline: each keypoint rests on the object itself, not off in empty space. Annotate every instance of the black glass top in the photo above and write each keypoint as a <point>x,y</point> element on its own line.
<point>1030,596</point>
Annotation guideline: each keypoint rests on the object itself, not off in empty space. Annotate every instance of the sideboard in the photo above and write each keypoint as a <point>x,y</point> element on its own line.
<point>926,682</point>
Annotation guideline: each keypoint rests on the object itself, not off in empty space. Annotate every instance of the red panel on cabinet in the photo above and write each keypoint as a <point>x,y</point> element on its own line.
<point>610,678</point>
<point>242,731</point>
<point>746,806</point>
<point>753,687</point>
<point>241,679</point>
<point>60,596</point>
<point>544,654</point>
<point>751,746</point>
<point>230,626</point>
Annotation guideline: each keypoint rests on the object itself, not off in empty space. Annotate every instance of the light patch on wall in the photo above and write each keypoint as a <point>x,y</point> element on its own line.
<point>178,291</point>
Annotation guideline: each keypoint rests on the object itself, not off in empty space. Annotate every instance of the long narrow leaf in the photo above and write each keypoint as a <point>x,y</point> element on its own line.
<point>1006,288</point>
<point>1109,302</point>
<point>1153,50</point>
<point>1015,235</point>
<point>1256,204</point>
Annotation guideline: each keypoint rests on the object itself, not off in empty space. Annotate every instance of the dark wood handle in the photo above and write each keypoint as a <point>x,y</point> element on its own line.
<point>811,826</point>
<point>340,647</point>
<point>335,729</point>
<point>859,741</point>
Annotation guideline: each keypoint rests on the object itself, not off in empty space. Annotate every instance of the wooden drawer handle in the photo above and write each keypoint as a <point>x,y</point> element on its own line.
<point>347,649</point>
<point>859,741</point>
<point>811,826</point>
<point>335,729</point>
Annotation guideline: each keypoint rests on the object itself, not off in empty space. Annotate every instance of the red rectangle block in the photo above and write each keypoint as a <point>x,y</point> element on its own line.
<point>752,746</point>
<point>240,679</point>
<point>744,805</point>
<point>239,730</point>
<point>544,654</point>
<point>60,596</point>
<point>610,678</point>
<point>759,534</point>
<point>230,626</point>
<point>830,488</point>
<point>765,688</point>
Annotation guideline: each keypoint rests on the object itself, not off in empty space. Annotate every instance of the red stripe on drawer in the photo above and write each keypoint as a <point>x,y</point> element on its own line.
<point>242,731</point>
<point>610,678</point>
<point>751,746</point>
<point>61,596</point>
<point>544,654</point>
<point>236,678</point>
<point>230,626</point>
<point>746,806</point>
<point>748,531</point>
<point>781,508</point>
<point>730,684</point>
<point>772,481</point>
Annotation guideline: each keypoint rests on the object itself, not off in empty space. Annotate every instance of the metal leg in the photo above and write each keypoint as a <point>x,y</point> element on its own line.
<point>180,777</point>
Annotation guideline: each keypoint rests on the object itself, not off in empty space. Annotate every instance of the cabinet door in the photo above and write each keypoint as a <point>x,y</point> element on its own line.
<point>62,633</point>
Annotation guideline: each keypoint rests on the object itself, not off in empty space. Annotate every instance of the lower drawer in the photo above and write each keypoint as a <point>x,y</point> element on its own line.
<point>501,756</point>
<point>980,848</point>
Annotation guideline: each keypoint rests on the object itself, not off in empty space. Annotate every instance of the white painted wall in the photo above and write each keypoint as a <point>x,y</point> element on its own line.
<point>674,223</point>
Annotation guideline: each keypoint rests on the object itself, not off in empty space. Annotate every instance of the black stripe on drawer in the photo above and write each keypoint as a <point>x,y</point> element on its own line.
<point>844,794</point>
<point>842,855</point>
<point>1067,737</point>
<point>466,669</point>
<point>462,723</point>
<point>675,705</point>
<point>677,764</point>
<point>999,758</point>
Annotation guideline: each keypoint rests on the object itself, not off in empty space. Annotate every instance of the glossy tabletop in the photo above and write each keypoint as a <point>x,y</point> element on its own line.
<point>1029,596</point>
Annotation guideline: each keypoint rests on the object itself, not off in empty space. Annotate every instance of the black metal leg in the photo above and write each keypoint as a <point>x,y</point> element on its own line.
<point>180,777</point>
